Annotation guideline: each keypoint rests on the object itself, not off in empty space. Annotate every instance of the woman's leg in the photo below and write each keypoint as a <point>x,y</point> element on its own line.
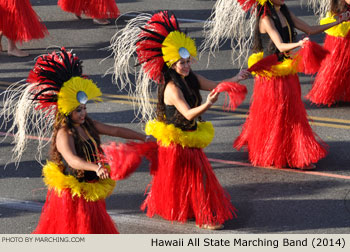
<point>101,21</point>
<point>14,51</point>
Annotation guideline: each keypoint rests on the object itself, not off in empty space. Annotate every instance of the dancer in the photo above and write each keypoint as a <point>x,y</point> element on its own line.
<point>19,23</point>
<point>331,84</point>
<point>184,185</point>
<point>99,10</point>
<point>276,132</point>
<point>77,179</point>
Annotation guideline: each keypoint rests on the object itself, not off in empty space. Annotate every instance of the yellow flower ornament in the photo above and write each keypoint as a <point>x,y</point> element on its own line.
<point>178,45</point>
<point>76,91</point>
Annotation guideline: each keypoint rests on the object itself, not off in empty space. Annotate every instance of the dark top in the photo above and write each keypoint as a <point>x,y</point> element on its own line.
<point>89,151</point>
<point>173,116</point>
<point>287,33</point>
<point>269,46</point>
<point>170,114</point>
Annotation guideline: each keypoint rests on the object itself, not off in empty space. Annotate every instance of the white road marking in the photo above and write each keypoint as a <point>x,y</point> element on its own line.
<point>21,204</point>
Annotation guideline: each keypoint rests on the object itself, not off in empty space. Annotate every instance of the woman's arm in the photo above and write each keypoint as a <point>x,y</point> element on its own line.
<point>309,30</point>
<point>105,129</point>
<point>209,85</point>
<point>65,146</point>
<point>267,26</point>
<point>174,96</point>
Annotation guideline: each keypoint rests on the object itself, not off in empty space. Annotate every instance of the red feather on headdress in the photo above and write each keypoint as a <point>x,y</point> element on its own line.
<point>149,46</point>
<point>247,4</point>
<point>49,73</point>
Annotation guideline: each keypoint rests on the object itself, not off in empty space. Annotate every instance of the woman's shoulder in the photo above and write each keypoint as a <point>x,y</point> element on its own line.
<point>266,23</point>
<point>171,86</point>
<point>171,92</point>
<point>64,132</point>
<point>266,19</point>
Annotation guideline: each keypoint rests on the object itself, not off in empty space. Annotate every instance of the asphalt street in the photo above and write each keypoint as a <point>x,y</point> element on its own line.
<point>268,200</point>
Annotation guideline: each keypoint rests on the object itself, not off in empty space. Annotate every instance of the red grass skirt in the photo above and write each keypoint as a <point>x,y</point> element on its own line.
<point>277,132</point>
<point>332,82</point>
<point>65,214</point>
<point>91,8</point>
<point>19,22</point>
<point>185,186</point>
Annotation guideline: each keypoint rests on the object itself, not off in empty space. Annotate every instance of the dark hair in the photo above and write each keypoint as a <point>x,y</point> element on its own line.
<point>338,6</point>
<point>269,10</point>
<point>63,121</point>
<point>190,92</point>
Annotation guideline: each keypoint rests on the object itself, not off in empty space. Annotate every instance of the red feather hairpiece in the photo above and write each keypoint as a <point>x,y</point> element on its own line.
<point>247,4</point>
<point>149,45</point>
<point>49,74</point>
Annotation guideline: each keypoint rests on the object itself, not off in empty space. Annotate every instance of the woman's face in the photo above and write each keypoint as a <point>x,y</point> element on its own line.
<point>78,115</point>
<point>347,1</point>
<point>182,67</point>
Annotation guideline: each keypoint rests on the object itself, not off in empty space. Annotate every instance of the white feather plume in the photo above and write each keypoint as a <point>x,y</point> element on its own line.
<point>320,7</point>
<point>21,120</point>
<point>229,21</point>
<point>123,46</point>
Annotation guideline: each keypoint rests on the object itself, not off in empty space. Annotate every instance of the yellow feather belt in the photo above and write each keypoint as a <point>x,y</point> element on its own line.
<point>340,30</point>
<point>168,134</point>
<point>286,67</point>
<point>55,179</point>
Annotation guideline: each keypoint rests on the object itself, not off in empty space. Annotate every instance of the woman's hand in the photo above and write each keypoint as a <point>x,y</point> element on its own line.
<point>102,172</point>
<point>303,41</point>
<point>150,138</point>
<point>242,75</point>
<point>212,97</point>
